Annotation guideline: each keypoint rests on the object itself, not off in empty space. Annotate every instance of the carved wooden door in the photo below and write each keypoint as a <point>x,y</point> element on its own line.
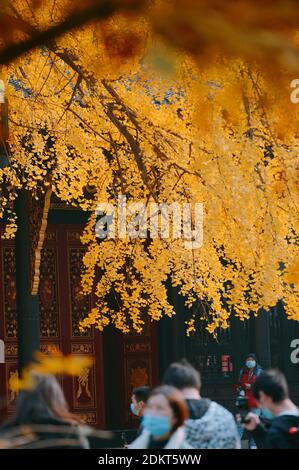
<point>61,307</point>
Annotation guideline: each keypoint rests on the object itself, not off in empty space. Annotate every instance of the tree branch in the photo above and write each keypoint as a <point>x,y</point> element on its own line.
<point>100,9</point>
<point>136,150</point>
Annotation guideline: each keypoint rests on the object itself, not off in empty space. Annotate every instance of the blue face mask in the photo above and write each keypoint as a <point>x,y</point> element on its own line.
<point>156,425</point>
<point>250,364</point>
<point>133,410</point>
<point>267,414</point>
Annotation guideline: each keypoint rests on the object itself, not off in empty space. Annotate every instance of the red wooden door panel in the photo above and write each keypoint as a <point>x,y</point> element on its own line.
<point>61,308</point>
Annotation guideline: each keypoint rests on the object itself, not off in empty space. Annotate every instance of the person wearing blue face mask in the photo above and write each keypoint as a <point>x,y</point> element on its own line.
<point>163,421</point>
<point>138,402</point>
<point>272,392</point>
<point>247,377</point>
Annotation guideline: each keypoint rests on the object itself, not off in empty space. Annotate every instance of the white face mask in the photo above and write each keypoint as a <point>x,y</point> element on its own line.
<point>250,364</point>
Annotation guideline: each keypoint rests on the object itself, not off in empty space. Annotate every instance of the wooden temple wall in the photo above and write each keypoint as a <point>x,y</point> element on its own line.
<point>62,306</point>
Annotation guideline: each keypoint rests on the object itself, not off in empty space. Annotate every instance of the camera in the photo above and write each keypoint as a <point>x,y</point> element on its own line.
<point>242,405</point>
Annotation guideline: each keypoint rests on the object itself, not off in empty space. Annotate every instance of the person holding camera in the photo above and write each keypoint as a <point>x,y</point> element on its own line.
<point>272,393</point>
<point>247,377</point>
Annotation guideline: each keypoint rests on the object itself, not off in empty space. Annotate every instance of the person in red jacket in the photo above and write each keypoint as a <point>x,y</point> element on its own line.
<point>248,375</point>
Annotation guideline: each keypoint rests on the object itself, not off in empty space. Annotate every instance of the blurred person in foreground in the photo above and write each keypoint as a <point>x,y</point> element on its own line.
<point>210,425</point>
<point>42,418</point>
<point>163,421</point>
<point>272,393</point>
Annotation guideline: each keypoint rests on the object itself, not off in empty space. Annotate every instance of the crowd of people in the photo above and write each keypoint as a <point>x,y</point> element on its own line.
<point>189,421</point>
<point>175,415</point>
<point>172,416</point>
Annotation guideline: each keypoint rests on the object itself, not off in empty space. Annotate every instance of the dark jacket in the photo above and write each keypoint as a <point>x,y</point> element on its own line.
<point>280,435</point>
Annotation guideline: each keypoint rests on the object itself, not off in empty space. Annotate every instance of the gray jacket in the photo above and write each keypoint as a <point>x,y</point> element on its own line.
<point>215,429</point>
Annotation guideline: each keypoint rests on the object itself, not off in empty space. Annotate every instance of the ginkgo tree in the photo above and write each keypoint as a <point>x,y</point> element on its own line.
<point>121,107</point>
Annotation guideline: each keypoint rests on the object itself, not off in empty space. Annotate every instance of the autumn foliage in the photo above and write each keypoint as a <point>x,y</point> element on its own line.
<point>161,101</point>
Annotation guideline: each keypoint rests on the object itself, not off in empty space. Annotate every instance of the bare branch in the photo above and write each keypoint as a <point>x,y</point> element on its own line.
<point>98,10</point>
